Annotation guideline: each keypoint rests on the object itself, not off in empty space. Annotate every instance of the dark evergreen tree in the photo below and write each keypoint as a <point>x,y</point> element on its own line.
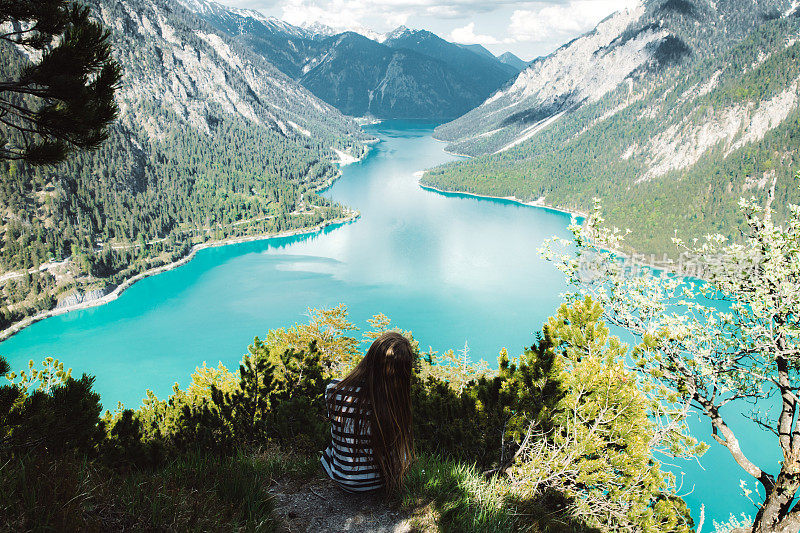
<point>65,100</point>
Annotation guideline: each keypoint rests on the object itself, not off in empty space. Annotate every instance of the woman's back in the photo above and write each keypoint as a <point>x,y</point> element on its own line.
<point>370,413</point>
<point>349,458</point>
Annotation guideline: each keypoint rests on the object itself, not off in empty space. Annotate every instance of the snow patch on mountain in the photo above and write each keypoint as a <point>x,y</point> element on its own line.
<point>209,8</point>
<point>197,6</point>
<point>318,29</point>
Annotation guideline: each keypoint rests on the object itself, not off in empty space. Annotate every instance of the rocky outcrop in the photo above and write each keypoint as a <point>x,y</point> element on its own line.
<point>199,75</point>
<point>582,71</point>
<point>667,112</point>
<point>77,297</point>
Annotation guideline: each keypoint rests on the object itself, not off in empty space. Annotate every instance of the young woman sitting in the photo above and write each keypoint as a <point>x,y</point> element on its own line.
<point>370,413</point>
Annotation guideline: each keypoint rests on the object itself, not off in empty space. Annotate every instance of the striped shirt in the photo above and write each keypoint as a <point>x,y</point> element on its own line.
<point>348,460</point>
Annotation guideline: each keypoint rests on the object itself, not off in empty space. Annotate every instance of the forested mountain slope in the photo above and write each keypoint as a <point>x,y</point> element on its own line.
<point>475,65</point>
<point>403,74</point>
<point>668,112</point>
<point>212,141</point>
<point>362,77</point>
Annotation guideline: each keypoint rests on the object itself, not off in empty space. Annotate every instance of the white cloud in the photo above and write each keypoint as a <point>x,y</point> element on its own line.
<point>392,13</point>
<point>346,14</point>
<point>467,35</point>
<point>553,21</point>
<point>527,27</point>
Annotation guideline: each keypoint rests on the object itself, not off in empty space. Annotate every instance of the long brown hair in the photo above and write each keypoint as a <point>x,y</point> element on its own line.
<point>384,376</point>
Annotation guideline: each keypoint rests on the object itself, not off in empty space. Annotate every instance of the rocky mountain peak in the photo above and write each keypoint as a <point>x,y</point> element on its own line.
<point>396,33</point>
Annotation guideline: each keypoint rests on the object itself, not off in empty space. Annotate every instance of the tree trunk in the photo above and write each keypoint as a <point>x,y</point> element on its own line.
<point>787,525</point>
<point>775,515</point>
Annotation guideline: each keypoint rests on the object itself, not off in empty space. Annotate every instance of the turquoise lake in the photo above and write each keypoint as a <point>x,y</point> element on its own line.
<point>453,269</point>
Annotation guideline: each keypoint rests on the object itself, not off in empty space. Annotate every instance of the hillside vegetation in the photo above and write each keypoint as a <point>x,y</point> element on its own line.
<point>501,450</point>
<point>705,112</point>
<point>212,142</point>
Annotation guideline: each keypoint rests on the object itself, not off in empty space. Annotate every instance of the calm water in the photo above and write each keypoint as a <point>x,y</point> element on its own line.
<point>452,269</point>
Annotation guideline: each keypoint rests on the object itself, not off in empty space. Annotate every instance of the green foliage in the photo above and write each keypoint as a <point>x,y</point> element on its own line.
<point>217,415</point>
<point>695,354</point>
<point>461,500</point>
<point>562,434</point>
<point>598,450</point>
<point>51,375</point>
<point>59,418</point>
<point>453,496</point>
<point>186,463</point>
<point>565,418</point>
<point>328,329</point>
<point>192,492</point>
<point>487,416</point>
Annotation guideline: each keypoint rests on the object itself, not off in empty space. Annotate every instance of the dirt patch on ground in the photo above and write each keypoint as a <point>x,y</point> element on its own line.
<point>319,505</point>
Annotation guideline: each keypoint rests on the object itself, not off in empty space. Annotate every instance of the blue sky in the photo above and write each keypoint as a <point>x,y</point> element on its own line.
<point>527,28</point>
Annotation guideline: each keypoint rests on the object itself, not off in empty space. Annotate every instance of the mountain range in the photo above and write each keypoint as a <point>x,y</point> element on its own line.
<point>228,126</point>
<point>230,121</point>
<point>510,59</point>
<point>668,112</point>
<point>402,74</point>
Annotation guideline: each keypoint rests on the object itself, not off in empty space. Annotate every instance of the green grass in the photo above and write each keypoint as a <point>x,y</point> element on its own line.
<point>451,496</point>
<point>456,497</point>
<point>206,492</point>
<point>197,492</point>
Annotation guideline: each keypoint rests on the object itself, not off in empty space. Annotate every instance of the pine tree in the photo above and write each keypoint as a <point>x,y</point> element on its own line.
<point>65,100</point>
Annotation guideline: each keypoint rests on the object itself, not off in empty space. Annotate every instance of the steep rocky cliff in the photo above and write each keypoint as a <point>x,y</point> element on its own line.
<point>212,141</point>
<point>631,49</point>
<point>173,58</point>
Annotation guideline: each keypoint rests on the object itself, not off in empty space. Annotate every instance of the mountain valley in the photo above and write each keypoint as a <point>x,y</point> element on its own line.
<point>404,74</point>
<point>212,142</point>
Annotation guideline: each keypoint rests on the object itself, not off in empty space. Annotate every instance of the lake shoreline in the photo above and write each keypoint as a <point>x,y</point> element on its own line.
<point>18,326</point>
<point>535,203</point>
<point>445,150</point>
<point>128,283</point>
<point>644,260</point>
<point>452,272</point>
